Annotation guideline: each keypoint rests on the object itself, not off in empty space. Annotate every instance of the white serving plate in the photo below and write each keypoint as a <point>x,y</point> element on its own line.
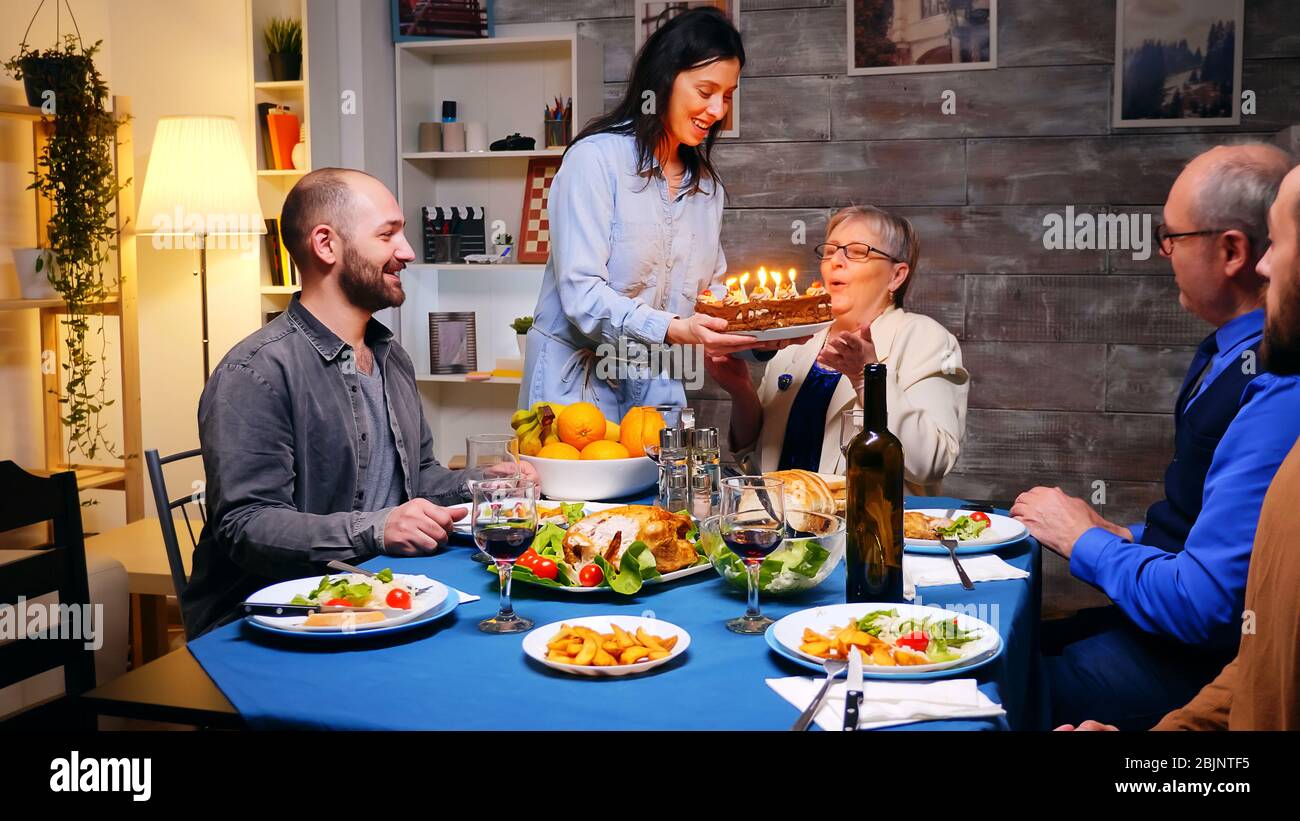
<point>1002,531</point>
<point>535,643</point>
<point>284,592</point>
<point>788,632</point>
<point>777,334</point>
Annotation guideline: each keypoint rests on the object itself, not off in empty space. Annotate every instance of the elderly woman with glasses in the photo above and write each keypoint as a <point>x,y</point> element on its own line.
<point>793,418</point>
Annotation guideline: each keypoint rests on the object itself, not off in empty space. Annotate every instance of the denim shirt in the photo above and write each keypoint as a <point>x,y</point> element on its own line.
<point>282,430</point>
<point>625,259</point>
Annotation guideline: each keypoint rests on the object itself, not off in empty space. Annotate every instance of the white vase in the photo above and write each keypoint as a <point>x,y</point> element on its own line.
<point>299,155</point>
<point>34,284</point>
<point>522,339</point>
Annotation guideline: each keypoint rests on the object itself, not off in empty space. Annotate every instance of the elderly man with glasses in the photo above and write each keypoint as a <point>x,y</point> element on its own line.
<point>1178,580</point>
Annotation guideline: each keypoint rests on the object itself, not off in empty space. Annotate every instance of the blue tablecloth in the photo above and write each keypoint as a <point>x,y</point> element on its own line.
<point>451,676</point>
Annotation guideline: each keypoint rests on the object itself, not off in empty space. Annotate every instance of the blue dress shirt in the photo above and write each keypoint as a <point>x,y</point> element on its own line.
<point>1196,595</point>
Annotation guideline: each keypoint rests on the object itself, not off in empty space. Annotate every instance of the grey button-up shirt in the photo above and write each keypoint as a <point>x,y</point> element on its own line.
<point>282,424</point>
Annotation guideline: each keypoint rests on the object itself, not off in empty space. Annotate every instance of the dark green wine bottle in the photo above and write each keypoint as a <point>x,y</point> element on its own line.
<point>874,501</point>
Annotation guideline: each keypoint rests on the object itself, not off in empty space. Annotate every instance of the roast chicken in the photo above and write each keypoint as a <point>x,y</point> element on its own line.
<point>609,532</point>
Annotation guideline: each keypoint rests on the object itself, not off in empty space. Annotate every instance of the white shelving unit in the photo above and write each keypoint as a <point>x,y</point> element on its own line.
<point>273,184</point>
<point>504,83</point>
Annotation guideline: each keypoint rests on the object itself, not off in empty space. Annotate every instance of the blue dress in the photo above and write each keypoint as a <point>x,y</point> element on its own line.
<point>802,447</point>
<point>625,259</point>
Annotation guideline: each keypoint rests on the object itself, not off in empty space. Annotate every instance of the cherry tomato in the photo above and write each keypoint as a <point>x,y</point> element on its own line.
<point>528,558</point>
<point>980,516</point>
<point>917,640</point>
<point>399,599</point>
<point>338,603</point>
<point>591,575</point>
<point>545,569</point>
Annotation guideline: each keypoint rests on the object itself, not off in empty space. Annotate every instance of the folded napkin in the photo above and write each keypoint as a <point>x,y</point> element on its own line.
<point>888,703</point>
<point>929,571</point>
<point>465,598</point>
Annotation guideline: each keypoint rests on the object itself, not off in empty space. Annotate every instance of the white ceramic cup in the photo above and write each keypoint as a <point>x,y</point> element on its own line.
<point>34,284</point>
<point>476,137</point>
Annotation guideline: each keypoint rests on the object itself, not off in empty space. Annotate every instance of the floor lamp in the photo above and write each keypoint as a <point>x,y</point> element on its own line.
<point>199,184</point>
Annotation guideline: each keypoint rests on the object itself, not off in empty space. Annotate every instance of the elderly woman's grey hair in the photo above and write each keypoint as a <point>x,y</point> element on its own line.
<point>1236,191</point>
<point>895,234</point>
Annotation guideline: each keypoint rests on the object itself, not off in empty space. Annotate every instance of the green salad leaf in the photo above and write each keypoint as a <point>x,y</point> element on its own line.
<point>355,594</point>
<point>385,575</point>
<point>635,566</point>
<point>965,528</point>
<point>797,559</point>
<point>573,511</point>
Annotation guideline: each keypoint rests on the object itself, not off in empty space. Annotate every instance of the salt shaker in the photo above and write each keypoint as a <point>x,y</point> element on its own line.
<point>674,491</point>
<point>705,472</point>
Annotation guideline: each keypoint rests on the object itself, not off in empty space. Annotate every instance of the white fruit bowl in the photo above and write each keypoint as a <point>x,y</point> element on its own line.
<point>594,480</point>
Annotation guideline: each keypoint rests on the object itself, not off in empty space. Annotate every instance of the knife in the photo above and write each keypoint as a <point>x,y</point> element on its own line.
<point>853,694</point>
<point>249,608</point>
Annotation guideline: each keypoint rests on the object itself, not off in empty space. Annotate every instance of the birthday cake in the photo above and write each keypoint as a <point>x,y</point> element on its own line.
<point>764,308</point>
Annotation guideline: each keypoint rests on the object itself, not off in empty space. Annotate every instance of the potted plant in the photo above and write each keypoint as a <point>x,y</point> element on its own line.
<point>521,326</point>
<point>283,38</point>
<point>37,272</point>
<point>48,70</point>
<point>75,173</point>
<point>503,244</point>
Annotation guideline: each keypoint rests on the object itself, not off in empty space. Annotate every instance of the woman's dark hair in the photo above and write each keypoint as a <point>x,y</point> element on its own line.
<point>692,39</point>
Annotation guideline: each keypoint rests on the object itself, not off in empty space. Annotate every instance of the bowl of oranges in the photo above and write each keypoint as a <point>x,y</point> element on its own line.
<point>579,454</point>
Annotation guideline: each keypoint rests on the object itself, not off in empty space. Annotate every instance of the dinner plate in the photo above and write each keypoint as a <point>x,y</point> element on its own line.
<point>661,579</point>
<point>535,643</point>
<point>1002,531</point>
<point>284,592</point>
<point>462,526</point>
<point>790,332</point>
<point>448,605</point>
<point>786,636</point>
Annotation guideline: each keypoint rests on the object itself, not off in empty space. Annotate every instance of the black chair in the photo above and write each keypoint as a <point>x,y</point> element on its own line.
<point>27,500</point>
<point>154,464</point>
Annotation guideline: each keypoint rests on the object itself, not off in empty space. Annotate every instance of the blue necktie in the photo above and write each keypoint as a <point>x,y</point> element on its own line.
<point>1200,364</point>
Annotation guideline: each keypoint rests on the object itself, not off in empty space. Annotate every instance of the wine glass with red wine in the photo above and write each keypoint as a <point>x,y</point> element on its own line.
<point>752,525</point>
<point>503,520</point>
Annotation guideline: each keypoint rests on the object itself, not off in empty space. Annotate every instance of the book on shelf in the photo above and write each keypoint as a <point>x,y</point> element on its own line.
<point>264,128</point>
<point>283,131</point>
<point>275,252</point>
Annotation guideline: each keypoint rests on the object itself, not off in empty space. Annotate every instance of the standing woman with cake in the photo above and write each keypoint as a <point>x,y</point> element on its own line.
<point>635,222</point>
<point>792,419</point>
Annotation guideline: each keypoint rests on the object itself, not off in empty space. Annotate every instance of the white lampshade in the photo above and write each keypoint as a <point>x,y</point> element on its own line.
<point>199,181</point>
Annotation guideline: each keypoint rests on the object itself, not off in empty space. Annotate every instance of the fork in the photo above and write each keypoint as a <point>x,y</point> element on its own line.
<point>833,668</point>
<point>951,545</point>
<point>347,568</point>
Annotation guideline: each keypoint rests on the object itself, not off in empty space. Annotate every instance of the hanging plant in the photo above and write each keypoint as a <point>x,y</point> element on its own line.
<point>74,171</point>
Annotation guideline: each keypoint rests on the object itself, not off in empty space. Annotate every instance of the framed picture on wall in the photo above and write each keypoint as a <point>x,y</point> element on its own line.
<point>1178,62</point>
<point>649,15</point>
<point>453,342</point>
<point>441,19</point>
<point>913,36</point>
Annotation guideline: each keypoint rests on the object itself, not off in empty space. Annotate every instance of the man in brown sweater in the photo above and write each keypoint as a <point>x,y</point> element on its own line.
<point>1260,688</point>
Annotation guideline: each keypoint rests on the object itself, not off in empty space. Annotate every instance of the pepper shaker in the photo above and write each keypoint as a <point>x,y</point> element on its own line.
<point>705,472</point>
<point>674,463</point>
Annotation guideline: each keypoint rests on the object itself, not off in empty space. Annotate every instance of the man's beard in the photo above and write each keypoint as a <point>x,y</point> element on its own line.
<point>1280,352</point>
<point>364,284</point>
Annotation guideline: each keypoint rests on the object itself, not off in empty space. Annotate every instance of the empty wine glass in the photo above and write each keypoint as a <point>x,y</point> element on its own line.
<point>752,524</point>
<point>850,426</point>
<point>504,521</point>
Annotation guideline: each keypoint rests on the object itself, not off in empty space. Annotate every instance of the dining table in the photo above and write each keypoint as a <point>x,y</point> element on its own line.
<point>448,675</point>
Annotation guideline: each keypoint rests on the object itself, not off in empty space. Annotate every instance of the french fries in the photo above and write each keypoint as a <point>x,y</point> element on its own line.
<point>846,639</point>
<point>583,646</point>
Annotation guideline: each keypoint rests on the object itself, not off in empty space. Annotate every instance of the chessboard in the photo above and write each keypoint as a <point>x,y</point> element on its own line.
<point>534,244</point>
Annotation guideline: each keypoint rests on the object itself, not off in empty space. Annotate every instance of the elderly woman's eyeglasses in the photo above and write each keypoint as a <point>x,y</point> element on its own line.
<point>1166,238</point>
<point>854,252</point>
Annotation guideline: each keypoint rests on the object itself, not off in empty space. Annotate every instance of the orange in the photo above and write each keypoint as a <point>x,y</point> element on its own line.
<point>581,424</point>
<point>604,449</point>
<point>636,431</point>
<point>558,450</point>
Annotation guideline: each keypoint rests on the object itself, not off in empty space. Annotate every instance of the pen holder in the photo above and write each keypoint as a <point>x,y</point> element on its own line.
<point>558,133</point>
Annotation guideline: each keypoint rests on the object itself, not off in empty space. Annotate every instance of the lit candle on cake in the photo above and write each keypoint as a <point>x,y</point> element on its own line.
<point>761,292</point>
<point>786,290</point>
<point>744,295</point>
<point>735,295</point>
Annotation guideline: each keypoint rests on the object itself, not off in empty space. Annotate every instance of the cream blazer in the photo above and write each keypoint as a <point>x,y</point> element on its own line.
<point>926,393</point>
